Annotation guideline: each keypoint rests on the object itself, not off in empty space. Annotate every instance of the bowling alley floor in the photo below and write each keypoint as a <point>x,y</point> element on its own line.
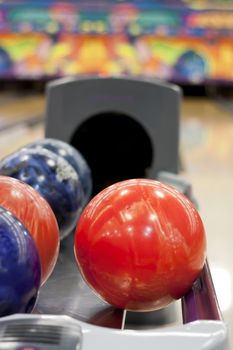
<point>207,153</point>
<point>207,160</point>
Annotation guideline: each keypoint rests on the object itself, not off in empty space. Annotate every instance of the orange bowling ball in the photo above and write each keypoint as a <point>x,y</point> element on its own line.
<point>140,244</point>
<point>37,216</point>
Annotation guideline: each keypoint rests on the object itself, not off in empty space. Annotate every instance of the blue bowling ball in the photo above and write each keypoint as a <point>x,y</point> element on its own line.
<point>53,177</point>
<point>20,270</point>
<point>73,156</point>
<point>191,66</point>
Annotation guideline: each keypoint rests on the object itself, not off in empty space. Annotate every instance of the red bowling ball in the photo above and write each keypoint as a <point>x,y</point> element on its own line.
<point>37,216</point>
<point>140,244</point>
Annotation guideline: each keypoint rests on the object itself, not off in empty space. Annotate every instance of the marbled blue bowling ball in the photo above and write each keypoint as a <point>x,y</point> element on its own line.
<point>53,177</point>
<point>20,270</point>
<point>73,156</point>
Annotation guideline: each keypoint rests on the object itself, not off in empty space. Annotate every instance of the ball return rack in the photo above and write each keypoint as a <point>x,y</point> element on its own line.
<point>68,315</point>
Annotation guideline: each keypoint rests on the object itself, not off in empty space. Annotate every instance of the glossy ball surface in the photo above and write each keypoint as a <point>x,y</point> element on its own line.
<point>53,177</point>
<point>19,266</point>
<point>37,216</point>
<point>140,244</point>
<point>73,157</point>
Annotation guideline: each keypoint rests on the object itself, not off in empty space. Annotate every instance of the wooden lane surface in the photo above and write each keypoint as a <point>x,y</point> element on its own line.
<point>16,111</point>
<point>207,138</point>
<point>207,152</point>
<point>15,107</point>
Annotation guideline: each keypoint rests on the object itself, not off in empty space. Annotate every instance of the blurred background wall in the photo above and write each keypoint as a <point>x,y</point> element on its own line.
<point>184,41</point>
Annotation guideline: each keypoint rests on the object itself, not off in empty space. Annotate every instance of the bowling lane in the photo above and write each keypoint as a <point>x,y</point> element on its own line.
<point>207,152</point>
<point>21,120</point>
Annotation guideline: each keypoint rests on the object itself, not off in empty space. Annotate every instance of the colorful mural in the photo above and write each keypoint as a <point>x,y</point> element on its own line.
<point>43,39</point>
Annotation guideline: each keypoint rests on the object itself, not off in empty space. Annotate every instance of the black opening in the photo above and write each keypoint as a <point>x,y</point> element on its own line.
<point>116,148</point>
<point>31,304</point>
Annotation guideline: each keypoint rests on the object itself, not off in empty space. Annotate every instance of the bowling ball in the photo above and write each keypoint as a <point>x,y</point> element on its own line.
<point>191,66</point>
<point>53,177</point>
<point>140,244</point>
<point>37,216</point>
<point>73,157</point>
<point>19,266</point>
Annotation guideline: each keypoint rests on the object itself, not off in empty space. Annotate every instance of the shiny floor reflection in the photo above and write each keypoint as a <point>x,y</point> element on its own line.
<point>207,153</point>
